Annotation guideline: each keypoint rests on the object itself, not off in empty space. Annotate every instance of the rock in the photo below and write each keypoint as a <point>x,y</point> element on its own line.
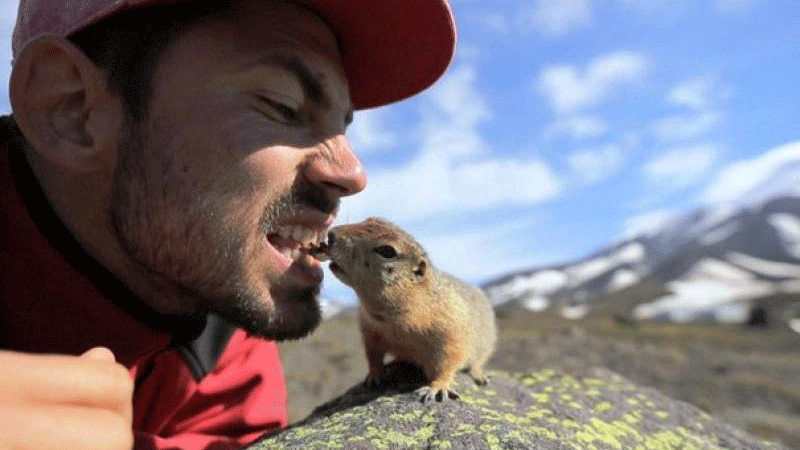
<point>546,410</point>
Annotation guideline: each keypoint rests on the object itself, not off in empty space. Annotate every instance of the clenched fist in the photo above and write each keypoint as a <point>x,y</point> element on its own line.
<point>65,402</point>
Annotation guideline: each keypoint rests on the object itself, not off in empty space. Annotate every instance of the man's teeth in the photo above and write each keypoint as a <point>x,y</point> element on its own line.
<point>306,237</point>
<point>291,253</point>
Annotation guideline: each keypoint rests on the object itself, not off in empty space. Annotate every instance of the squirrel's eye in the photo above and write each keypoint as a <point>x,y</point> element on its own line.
<point>387,251</point>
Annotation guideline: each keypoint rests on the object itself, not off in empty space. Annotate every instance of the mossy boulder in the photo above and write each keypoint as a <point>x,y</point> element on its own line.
<point>546,410</point>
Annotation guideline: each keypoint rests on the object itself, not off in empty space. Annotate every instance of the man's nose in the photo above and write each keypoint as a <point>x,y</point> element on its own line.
<point>336,167</point>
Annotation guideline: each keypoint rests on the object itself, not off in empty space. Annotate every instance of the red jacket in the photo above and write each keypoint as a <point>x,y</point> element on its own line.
<point>200,382</point>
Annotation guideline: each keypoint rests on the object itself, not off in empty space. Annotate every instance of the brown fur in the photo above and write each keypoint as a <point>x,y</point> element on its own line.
<point>410,309</point>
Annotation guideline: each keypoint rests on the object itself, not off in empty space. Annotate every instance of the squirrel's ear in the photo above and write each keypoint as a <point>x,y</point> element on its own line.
<point>421,268</point>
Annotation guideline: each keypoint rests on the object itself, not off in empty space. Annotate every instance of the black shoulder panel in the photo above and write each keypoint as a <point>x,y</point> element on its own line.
<point>203,353</point>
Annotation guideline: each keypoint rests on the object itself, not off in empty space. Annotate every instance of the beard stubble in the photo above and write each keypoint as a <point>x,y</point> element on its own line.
<point>188,254</point>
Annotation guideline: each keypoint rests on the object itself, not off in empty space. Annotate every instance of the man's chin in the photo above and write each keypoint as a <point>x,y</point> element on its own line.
<point>292,315</point>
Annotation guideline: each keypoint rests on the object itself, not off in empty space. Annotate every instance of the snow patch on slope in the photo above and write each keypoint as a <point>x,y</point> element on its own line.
<point>711,286</point>
<point>788,227</point>
<point>632,253</point>
<point>764,267</point>
<point>543,282</point>
<point>720,234</point>
<point>622,279</point>
<point>692,296</point>
<point>587,270</point>
<point>574,312</point>
<point>712,268</point>
<point>536,303</point>
<point>789,286</point>
<point>713,218</point>
<point>734,312</point>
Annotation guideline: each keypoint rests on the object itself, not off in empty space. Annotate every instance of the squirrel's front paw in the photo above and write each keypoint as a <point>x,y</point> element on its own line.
<point>428,394</point>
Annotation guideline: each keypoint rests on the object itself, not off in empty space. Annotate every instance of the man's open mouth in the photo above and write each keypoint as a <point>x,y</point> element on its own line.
<point>295,241</point>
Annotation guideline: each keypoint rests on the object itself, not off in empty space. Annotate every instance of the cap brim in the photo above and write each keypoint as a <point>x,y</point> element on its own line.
<point>391,49</point>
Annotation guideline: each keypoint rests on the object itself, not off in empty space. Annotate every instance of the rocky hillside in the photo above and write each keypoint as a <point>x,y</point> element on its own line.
<point>745,376</point>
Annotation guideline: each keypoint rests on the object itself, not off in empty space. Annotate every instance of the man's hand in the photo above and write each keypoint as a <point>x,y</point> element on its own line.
<point>65,402</point>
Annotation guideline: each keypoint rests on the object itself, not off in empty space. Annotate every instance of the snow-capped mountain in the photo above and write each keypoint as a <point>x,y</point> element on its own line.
<point>784,181</point>
<point>719,259</point>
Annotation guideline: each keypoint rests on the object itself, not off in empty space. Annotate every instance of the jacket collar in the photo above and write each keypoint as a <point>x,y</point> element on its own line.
<point>54,296</point>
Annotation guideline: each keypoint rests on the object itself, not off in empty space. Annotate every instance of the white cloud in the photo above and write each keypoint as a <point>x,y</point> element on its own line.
<point>483,251</point>
<point>681,167</point>
<point>686,126</point>
<point>555,18</point>
<point>740,178</point>
<point>435,184</point>
<point>456,95</point>
<point>569,88</point>
<point>496,182</point>
<point>698,93</point>
<point>578,127</point>
<point>369,131</point>
<point>457,107</point>
<point>648,223</point>
<point>453,170</point>
<point>494,21</point>
<point>595,165</point>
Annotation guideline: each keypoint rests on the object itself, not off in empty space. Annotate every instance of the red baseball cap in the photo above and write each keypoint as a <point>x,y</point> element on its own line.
<point>391,49</point>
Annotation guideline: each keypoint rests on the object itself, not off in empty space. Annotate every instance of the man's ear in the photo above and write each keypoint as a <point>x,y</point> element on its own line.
<point>62,105</point>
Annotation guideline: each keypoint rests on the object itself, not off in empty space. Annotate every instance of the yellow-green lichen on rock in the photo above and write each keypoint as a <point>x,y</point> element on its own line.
<point>547,410</point>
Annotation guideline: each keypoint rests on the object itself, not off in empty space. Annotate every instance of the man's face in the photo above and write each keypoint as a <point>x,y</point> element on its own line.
<point>238,165</point>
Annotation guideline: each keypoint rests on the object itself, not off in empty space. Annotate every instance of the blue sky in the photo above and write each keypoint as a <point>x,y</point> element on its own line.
<point>563,125</point>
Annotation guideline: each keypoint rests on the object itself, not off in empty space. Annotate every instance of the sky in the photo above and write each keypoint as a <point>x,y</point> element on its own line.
<point>563,126</point>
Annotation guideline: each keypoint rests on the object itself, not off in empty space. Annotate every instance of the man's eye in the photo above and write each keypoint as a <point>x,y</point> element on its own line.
<point>286,113</point>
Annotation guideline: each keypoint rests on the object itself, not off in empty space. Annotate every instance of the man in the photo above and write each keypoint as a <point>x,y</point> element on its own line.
<point>168,167</point>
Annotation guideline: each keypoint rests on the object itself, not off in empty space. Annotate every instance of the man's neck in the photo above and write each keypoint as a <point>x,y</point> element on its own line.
<point>62,239</point>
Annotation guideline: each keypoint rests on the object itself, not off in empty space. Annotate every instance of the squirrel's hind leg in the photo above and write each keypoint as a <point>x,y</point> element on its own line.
<point>478,375</point>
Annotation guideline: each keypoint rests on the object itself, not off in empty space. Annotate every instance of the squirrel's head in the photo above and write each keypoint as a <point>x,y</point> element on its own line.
<point>376,256</point>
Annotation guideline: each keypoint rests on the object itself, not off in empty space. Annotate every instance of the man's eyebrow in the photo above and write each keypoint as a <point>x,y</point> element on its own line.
<point>311,85</point>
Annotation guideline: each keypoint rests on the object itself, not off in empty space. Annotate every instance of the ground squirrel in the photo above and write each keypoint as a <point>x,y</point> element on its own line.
<point>410,309</point>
